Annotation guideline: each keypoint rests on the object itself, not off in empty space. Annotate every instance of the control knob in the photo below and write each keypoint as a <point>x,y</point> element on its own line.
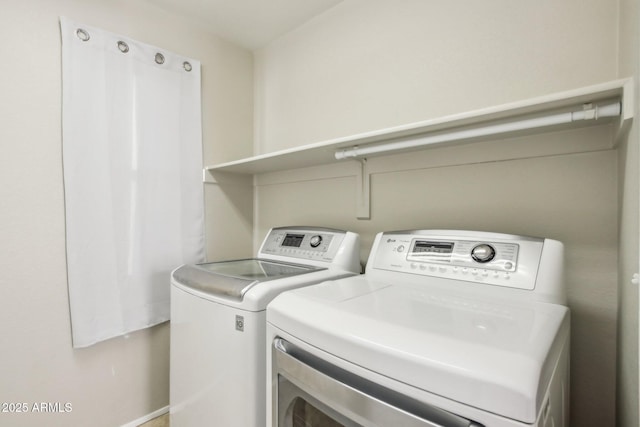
<point>483,253</point>
<point>315,241</point>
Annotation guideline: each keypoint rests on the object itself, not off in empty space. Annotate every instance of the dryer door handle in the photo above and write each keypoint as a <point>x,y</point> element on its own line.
<point>344,393</point>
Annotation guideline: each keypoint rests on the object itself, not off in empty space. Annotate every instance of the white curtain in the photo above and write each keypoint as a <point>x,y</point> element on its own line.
<point>132,153</point>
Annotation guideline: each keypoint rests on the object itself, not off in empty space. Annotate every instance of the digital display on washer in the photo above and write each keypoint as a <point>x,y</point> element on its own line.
<point>293,240</point>
<point>428,247</point>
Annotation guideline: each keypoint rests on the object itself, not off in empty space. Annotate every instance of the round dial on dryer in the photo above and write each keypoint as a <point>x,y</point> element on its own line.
<point>483,253</point>
<point>315,241</point>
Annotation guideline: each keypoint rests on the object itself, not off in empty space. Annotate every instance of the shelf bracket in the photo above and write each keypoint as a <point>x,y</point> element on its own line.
<point>627,101</point>
<point>225,178</point>
<point>363,191</point>
<point>207,177</point>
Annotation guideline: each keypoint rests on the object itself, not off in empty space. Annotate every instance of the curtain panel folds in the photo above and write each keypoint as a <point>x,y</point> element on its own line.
<point>132,156</point>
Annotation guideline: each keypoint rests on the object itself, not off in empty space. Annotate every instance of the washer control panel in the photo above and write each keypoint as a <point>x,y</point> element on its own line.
<point>303,243</point>
<point>490,258</point>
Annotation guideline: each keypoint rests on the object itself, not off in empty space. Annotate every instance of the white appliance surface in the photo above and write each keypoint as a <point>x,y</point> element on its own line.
<point>218,325</point>
<point>486,336</point>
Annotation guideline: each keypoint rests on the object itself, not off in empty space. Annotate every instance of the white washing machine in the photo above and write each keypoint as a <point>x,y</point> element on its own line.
<point>445,328</point>
<point>218,324</point>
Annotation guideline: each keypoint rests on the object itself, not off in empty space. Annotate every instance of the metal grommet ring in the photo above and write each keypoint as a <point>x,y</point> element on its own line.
<point>123,47</point>
<point>82,34</point>
<point>187,66</point>
<point>159,58</point>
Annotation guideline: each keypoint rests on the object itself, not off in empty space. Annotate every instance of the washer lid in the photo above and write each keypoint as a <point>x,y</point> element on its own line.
<point>497,356</point>
<point>234,278</point>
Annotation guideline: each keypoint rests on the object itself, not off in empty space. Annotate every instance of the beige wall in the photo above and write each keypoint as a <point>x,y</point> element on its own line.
<point>629,63</point>
<point>367,65</point>
<point>120,380</point>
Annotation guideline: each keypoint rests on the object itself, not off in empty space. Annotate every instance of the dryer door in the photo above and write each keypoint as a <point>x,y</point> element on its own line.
<point>311,392</point>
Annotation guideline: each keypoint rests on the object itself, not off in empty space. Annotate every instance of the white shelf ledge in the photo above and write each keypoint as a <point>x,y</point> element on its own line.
<point>324,152</point>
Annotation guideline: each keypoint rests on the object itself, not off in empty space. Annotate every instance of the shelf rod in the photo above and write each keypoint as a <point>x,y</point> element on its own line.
<point>587,112</point>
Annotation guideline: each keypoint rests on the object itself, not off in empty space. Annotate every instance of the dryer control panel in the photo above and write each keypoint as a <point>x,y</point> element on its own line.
<point>486,258</point>
<point>464,253</point>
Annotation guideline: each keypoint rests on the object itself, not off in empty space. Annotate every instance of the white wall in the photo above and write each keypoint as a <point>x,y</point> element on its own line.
<point>122,379</point>
<point>366,65</point>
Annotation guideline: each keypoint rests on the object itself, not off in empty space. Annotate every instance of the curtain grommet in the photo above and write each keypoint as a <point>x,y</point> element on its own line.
<point>159,58</point>
<point>123,47</point>
<point>83,34</point>
<point>187,66</point>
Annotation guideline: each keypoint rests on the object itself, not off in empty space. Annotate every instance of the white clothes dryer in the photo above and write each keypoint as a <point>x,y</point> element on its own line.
<point>218,326</point>
<point>445,328</point>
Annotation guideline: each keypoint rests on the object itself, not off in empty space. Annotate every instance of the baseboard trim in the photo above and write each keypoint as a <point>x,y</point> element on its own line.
<point>148,417</point>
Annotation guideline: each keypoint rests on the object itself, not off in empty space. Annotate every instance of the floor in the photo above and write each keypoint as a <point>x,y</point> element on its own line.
<point>161,421</point>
